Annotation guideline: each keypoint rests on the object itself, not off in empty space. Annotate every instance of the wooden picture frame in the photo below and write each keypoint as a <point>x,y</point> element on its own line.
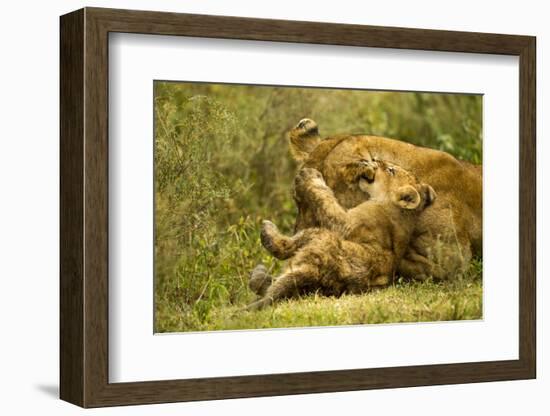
<point>84,207</point>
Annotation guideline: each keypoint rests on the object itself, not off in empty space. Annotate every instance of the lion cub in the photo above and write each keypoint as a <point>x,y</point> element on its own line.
<point>356,249</point>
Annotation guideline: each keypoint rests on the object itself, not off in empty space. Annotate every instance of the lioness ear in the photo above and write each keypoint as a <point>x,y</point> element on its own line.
<point>430,194</point>
<point>304,137</point>
<point>406,197</point>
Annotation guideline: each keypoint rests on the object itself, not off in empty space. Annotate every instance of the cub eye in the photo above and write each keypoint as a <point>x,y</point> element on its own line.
<point>391,171</point>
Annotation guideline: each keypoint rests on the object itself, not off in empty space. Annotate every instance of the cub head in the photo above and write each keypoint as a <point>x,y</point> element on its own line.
<point>399,186</point>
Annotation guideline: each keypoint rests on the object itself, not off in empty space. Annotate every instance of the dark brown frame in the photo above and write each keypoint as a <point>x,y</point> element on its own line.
<point>84,208</point>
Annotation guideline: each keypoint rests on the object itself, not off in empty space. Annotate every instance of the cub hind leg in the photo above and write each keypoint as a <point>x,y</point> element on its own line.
<point>293,282</point>
<point>283,247</point>
<point>319,265</point>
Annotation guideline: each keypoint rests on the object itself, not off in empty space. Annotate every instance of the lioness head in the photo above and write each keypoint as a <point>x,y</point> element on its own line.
<point>352,172</point>
<point>344,164</point>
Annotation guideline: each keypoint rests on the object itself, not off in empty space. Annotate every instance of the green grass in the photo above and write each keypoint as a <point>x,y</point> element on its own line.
<point>222,165</point>
<point>403,302</point>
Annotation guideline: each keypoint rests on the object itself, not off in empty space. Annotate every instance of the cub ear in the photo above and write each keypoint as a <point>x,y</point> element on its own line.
<point>406,197</point>
<point>304,137</point>
<point>430,194</point>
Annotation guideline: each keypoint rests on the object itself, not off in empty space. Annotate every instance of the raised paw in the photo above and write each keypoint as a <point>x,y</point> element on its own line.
<point>308,177</point>
<point>310,174</point>
<point>268,235</point>
<point>306,126</point>
<point>279,245</point>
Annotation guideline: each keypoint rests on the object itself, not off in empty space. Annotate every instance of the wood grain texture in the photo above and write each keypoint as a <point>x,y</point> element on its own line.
<point>71,208</point>
<point>84,207</point>
<point>96,219</point>
<point>162,23</point>
<point>527,208</point>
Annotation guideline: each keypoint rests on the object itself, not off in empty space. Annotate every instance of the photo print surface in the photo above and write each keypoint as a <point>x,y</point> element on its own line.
<point>281,207</point>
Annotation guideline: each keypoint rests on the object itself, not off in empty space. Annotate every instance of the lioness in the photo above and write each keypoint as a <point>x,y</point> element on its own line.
<point>359,248</point>
<point>446,235</point>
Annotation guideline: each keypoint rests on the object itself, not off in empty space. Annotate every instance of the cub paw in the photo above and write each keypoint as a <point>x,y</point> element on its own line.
<point>267,235</point>
<point>308,177</point>
<point>259,280</point>
<point>273,241</point>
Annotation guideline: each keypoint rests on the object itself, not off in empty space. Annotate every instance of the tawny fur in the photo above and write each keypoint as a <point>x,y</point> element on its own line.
<point>446,235</point>
<point>356,250</point>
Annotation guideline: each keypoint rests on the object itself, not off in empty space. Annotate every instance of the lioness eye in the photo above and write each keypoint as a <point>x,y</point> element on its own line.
<point>391,171</point>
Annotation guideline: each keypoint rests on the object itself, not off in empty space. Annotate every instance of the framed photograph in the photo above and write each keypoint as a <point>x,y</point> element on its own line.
<point>255,207</point>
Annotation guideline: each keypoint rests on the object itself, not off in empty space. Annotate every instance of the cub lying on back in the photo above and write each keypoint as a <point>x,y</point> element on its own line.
<point>359,249</point>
